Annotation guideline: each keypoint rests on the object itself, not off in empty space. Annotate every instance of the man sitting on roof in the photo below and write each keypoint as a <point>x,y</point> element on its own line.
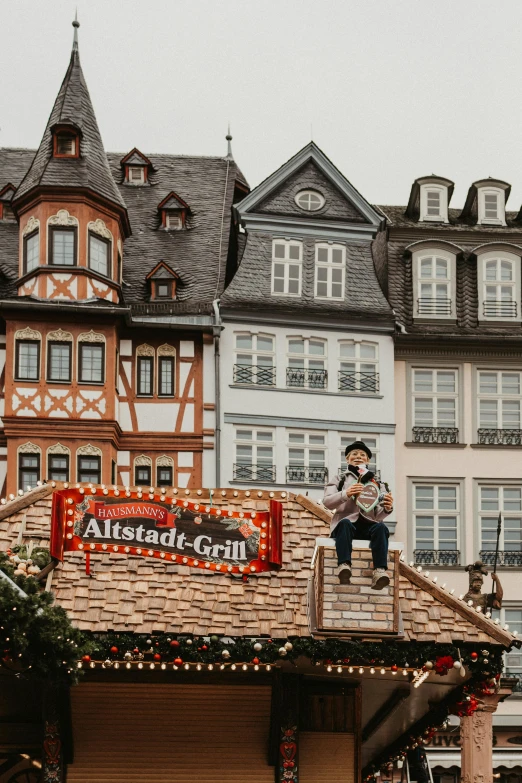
<point>350,521</point>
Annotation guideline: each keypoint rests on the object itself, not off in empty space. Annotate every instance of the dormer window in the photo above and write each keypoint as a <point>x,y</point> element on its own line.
<point>162,281</point>
<point>491,207</point>
<point>174,212</point>
<point>66,142</point>
<point>136,167</point>
<point>429,199</point>
<point>6,195</point>
<point>486,202</point>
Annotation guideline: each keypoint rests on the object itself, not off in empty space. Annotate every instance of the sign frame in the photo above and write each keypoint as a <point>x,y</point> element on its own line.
<point>254,537</point>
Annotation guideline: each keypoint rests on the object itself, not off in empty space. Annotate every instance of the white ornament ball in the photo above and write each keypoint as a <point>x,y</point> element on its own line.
<point>289,646</point>
<point>428,665</point>
<point>33,570</point>
<point>189,642</point>
<point>457,665</point>
<point>19,572</point>
<point>258,646</point>
<point>225,654</point>
<point>282,652</point>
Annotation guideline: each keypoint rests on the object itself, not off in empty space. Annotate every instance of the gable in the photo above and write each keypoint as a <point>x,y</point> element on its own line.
<point>281,201</point>
<point>162,270</point>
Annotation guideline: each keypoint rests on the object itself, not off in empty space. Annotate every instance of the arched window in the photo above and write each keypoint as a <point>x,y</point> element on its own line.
<point>89,464</point>
<point>307,363</point>
<point>499,286</point>
<point>27,354</point>
<point>434,283</point>
<point>358,366</point>
<point>58,462</point>
<point>287,262</point>
<point>164,471</point>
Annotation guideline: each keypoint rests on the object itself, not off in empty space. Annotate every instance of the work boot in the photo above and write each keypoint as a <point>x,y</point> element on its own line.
<point>344,572</point>
<point>380,579</point>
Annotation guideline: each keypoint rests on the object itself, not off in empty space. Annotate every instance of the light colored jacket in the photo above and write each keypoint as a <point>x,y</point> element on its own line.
<point>347,508</point>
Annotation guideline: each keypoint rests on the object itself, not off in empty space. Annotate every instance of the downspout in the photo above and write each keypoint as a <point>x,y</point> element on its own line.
<point>216,331</point>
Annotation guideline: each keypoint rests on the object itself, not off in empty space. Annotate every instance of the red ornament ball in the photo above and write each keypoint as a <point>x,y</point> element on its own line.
<point>114,650</point>
<point>136,650</point>
<point>474,656</point>
<point>255,660</point>
<point>394,668</point>
<point>178,661</point>
<point>157,657</point>
<point>204,647</point>
<point>86,658</point>
<point>174,643</point>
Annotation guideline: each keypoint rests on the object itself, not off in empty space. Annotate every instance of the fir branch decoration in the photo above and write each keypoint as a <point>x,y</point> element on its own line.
<point>37,638</point>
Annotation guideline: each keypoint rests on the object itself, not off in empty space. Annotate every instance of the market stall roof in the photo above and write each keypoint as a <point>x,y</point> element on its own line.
<point>508,759</point>
<point>145,595</point>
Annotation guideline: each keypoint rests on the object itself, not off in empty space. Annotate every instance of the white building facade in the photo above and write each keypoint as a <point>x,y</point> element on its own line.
<point>307,341</point>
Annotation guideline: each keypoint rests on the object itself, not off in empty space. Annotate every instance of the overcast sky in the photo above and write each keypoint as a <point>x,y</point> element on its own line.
<point>390,89</point>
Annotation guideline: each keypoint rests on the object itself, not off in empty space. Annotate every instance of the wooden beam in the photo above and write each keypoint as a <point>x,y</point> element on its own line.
<point>384,712</point>
<point>316,509</point>
<point>18,504</point>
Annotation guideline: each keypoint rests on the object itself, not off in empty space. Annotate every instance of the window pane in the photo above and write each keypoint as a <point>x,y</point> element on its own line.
<point>347,349</point>
<point>488,382</point>
<point>441,267</point>
<point>446,382</point>
<point>32,250</point>
<point>244,434</point>
<point>337,255</point>
<point>59,362</point>
<point>89,469</point>
<point>264,436</point>
<point>166,379</point>
<point>295,252</point>
<point>59,468</point>
<point>423,380</point>
<point>98,255</point>
<point>424,497</point>
<point>28,361</point>
<point>265,343</point>
<point>506,270</point>
<point>425,267</point>
<point>244,341</point>
<point>63,247</point>
<point>489,499</point>
<point>91,363</point>
<point>316,347</point>
<point>448,498</point>
<point>145,375</point>
<point>510,383</point>
<point>296,437</point>
<point>322,254</point>
<point>491,270</point>
<point>367,351</point>
<point>279,251</point>
<point>296,346</point>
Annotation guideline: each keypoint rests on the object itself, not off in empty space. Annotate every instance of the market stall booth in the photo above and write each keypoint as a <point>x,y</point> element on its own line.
<point>223,646</point>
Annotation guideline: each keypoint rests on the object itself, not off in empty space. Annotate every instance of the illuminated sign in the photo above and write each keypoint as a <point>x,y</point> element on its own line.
<point>172,529</point>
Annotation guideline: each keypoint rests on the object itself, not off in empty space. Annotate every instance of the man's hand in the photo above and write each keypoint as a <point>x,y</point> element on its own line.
<point>387,501</point>
<point>494,577</point>
<point>354,490</point>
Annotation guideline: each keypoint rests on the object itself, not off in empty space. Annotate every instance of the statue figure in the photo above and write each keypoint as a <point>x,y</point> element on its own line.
<point>493,600</point>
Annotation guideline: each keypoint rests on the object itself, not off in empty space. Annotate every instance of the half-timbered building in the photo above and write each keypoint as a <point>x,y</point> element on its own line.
<point>109,267</point>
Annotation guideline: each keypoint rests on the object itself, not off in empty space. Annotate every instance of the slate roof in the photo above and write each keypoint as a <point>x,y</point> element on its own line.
<point>91,169</point>
<point>397,268</point>
<point>145,595</point>
<point>194,254</point>
<point>397,218</point>
<point>251,287</point>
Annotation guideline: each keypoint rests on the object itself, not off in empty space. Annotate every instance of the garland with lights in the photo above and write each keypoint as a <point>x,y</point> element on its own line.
<point>37,638</point>
<point>179,650</point>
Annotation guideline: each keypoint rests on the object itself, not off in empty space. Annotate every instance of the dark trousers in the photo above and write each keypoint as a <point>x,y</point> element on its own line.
<point>377,532</point>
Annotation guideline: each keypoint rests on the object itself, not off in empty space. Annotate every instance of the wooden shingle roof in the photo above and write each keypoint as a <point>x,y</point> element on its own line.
<point>142,595</point>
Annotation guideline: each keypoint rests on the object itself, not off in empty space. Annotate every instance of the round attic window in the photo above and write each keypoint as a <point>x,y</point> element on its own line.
<point>309,200</point>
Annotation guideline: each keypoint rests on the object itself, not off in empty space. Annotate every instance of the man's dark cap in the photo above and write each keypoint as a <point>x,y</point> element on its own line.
<point>358,444</point>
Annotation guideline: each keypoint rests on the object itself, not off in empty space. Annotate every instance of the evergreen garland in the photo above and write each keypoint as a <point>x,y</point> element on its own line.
<point>37,638</point>
<point>482,660</point>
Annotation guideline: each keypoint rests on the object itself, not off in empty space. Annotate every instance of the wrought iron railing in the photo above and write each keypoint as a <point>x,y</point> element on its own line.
<point>498,308</point>
<point>432,305</point>
<point>437,557</point>
<point>254,374</point>
<point>503,437</point>
<point>435,434</point>
<point>301,474</point>
<point>358,381</point>
<point>306,378</point>
<point>261,472</point>
<point>505,557</point>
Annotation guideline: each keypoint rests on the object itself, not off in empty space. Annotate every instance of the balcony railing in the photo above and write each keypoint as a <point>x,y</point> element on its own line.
<point>503,437</point>
<point>261,472</point>
<point>305,378</point>
<point>431,305</point>
<point>437,557</point>
<point>498,308</point>
<point>435,434</point>
<point>505,558</point>
<point>300,474</point>
<point>254,374</point>
<point>358,381</point>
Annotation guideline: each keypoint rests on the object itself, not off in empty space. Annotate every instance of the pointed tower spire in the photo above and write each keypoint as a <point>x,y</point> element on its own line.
<point>228,137</point>
<point>89,168</point>
<point>76,25</point>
